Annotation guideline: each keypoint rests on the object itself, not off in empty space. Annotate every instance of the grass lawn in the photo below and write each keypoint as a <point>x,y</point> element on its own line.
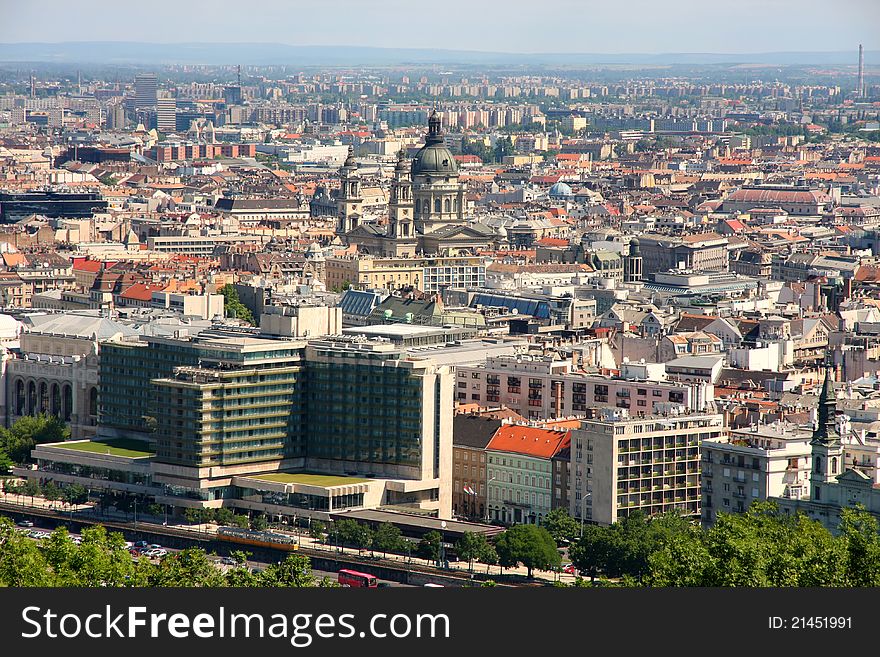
<point>309,479</point>
<point>115,447</point>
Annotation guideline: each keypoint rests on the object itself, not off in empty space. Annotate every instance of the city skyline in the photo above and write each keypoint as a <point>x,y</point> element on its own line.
<point>520,28</point>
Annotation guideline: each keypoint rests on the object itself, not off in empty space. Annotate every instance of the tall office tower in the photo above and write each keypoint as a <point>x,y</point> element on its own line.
<point>115,117</point>
<point>146,87</point>
<point>166,114</point>
<point>860,86</point>
<point>229,412</point>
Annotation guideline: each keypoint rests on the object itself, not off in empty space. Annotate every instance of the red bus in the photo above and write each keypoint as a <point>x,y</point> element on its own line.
<point>357,580</point>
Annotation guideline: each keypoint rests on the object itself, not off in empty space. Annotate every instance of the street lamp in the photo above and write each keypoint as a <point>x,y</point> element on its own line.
<point>135,512</point>
<point>488,496</point>
<point>583,499</point>
<point>441,554</point>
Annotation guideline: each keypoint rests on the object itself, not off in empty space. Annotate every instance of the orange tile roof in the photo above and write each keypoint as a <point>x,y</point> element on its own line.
<point>529,441</point>
<point>14,259</point>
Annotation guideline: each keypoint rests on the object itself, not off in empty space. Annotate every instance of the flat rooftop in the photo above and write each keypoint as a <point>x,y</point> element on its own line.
<point>306,479</point>
<point>126,447</point>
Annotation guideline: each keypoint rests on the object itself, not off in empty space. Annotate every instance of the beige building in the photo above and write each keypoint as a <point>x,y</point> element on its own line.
<point>754,463</point>
<point>621,464</point>
<point>546,388</point>
<point>301,320</point>
<point>425,274</point>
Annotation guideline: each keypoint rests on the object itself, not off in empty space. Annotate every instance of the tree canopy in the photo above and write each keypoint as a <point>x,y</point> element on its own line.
<point>26,432</point>
<point>102,559</point>
<point>529,545</point>
<point>233,305</point>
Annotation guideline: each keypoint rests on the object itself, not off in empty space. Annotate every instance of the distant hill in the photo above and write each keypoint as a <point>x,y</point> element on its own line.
<point>128,53</point>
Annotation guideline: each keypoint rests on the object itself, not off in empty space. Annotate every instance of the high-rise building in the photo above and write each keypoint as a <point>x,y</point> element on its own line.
<point>115,117</point>
<point>166,115</point>
<point>146,86</point>
<point>251,420</point>
<point>622,464</point>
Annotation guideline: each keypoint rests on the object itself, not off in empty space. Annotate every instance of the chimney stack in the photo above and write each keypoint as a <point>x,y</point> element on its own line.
<point>860,88</point>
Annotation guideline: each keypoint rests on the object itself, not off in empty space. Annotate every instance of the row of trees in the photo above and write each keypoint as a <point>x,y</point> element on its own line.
<point>529,545</point>
<point>102,559</point>
<point>762,547</point>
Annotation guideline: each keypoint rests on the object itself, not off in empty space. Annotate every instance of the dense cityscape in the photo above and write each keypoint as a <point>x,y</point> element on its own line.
<point>500,325</point>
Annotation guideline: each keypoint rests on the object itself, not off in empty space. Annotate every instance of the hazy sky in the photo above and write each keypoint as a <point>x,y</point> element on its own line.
<point>585,26</point>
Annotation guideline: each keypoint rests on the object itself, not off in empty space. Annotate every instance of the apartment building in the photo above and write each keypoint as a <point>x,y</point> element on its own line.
<point>621,464</point>
<point>539,387</point>
<point>754,463</point>
<point>426,274</point>
<point>470,437</point>
<point>520,472</point>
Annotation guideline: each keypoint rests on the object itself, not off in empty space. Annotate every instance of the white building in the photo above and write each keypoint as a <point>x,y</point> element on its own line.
<point>755,463</point>
<point>621,464</point>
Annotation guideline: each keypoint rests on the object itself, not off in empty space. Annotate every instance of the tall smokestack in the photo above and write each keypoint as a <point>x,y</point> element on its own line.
<point>860,89</point>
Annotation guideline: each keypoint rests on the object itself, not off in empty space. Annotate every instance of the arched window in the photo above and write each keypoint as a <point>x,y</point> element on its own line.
<point>834,465</point>
<point>93,401</point>
<point>818,464</point>
<point>418,206</point>
<point>436,205</point>
<point>66,402</point>
<point>55,400</point>
<point>31,398</point>
<point>20,399</point>
<point>455,204</point>
<point>44,397</point>
<point>446,205</point>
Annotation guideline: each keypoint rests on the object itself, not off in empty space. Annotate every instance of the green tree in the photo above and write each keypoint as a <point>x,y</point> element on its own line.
<point>6,462</point>
<point>259,522</point>
<point>233,305</point>
<point>429,546</point>
<point>31,488</point>
<point>529,545</point>
<point>51,492</point>
<point>294,571</point>
<point>474,547</point>
<point>188,568</point>
<point>29,431</point>
<point>858,532</point>
<point>240,521</point>
<point>562,527</point>
<point>318,530</point>
<point>75,494</point>
<point>223,516</point>
<point>387,538</point>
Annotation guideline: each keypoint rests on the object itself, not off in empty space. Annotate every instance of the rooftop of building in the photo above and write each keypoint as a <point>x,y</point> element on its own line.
<point>309,479</point>
<point>115,447</point>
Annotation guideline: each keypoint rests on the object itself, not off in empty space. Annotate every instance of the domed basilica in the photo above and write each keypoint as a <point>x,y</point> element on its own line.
<point>426,206</point>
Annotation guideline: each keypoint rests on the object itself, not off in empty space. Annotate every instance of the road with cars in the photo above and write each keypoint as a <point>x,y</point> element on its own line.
<point>154,552</point>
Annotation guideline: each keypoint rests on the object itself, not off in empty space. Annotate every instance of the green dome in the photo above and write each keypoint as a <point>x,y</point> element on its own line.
<point>434,158</point>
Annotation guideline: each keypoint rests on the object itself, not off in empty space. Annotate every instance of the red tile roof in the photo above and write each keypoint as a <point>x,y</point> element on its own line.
<point>529,441</point>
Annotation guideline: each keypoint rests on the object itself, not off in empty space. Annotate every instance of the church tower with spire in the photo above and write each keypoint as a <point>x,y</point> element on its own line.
<point>349,201</point>
<point>826,445</point>
<point>400,204</point>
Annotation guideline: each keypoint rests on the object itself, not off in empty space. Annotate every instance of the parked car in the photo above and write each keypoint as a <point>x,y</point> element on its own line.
<point>141,544</point>
<point>228,561</point>
<point>570,569</point>
<point>25,523</point>
<point>153,553</point>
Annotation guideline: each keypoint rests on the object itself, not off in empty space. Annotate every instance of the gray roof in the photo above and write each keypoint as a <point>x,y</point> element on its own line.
<point>79,324</point>
<point>473,430</point>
